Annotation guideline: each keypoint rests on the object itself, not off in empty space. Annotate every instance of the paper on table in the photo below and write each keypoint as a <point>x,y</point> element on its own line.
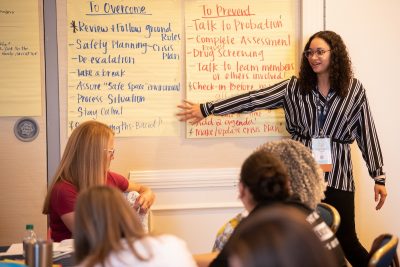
<point>63,249</point>
<point>64,246</point>
<point>14,249</point>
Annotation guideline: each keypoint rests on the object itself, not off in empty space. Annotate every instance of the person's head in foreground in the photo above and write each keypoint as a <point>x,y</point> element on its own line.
<point>277,236</point>
<point>102,218</point>
<point>108,233</point>
<point>306,178</point>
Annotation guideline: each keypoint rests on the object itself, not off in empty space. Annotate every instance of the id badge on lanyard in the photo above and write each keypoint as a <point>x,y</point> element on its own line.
<point>322,152</point>
<point>321,145</point>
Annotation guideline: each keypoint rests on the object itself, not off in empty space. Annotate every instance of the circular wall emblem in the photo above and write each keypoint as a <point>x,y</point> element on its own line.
<point>26,129</point>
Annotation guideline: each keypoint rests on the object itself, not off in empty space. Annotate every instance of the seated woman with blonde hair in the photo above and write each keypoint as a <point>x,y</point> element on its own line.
<point>85,163</point>
<point>108,233</point>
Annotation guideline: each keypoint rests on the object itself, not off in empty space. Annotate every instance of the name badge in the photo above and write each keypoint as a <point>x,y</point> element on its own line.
<point>321,150</point>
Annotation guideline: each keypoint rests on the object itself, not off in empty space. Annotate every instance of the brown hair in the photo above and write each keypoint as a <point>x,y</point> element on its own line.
<point>102,218</point>
<point>84,160</point>
<point>340,70</point>
<point>277,236</point>
<point>265,177</point>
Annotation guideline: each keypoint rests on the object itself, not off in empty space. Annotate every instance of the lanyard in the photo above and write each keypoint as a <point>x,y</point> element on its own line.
<point>323,109</point>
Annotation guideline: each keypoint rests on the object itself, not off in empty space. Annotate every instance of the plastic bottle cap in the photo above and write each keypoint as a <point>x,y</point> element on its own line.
<point>29,227</point>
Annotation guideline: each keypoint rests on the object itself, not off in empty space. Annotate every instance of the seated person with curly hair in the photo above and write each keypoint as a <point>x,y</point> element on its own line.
<point>303,189</point>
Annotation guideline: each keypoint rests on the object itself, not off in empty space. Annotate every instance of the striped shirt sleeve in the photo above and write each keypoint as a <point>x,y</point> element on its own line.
<point>268,98</point>
<point>349,118</point>
<point>367,139</point>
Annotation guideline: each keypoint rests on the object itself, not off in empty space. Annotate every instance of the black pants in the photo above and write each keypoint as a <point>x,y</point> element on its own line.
<point>343,201</point>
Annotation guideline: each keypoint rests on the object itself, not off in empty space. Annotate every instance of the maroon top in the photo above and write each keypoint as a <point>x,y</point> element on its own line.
<point>63,198</point>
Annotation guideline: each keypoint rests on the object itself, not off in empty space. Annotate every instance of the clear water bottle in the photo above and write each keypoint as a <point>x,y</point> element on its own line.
<point>29,238</point>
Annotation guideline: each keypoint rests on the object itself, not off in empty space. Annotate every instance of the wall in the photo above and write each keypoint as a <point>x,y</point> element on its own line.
<point>370,30</point>
<point>23,175</point>
<point>192,203</point>
<point>155,152</point>
<point>180,209</point>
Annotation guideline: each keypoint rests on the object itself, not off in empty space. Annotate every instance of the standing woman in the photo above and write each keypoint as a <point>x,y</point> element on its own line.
<point>85,163</point>
<point>325,107</point>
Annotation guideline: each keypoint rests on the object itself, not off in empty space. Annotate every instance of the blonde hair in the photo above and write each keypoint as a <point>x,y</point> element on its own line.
<point>306,178</point>
<point>84,161</point>
<point>102,218</point>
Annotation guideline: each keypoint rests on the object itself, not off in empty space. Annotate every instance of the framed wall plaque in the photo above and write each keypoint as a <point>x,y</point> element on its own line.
<point>26,129</point>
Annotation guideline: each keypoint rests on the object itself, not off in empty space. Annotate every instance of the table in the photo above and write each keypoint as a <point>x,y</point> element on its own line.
<point>65,262</point>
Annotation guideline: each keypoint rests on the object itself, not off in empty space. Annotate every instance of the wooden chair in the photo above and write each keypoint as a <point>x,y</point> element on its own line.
<point>330,215</point>
<point>383,252</point>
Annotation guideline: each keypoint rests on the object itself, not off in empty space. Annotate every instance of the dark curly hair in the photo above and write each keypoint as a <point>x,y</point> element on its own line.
<point>265,176</point>
<point>340,70</point>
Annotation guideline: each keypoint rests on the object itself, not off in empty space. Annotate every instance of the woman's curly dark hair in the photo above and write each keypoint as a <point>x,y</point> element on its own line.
<point>265,176</point>
<point>340,70</point>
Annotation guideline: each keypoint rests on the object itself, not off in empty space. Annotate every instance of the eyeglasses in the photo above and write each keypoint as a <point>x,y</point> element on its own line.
<point>319,52</point>
<point>111,151</point>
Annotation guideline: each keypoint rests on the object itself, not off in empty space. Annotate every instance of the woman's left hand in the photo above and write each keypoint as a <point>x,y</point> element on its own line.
<point>145,200</point>
<point>146,196</point>
<point>380,195</point>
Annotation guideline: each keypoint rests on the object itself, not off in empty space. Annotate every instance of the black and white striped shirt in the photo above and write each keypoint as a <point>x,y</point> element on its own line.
<point>348,118</point>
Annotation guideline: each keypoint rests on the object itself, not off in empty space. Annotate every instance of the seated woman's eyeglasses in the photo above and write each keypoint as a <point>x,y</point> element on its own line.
<point>111,151</point>
<point>319,52</point>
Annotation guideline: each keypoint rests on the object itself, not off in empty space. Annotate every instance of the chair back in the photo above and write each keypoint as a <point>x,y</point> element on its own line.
<point>383,251</point>
<point>330,215</point>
